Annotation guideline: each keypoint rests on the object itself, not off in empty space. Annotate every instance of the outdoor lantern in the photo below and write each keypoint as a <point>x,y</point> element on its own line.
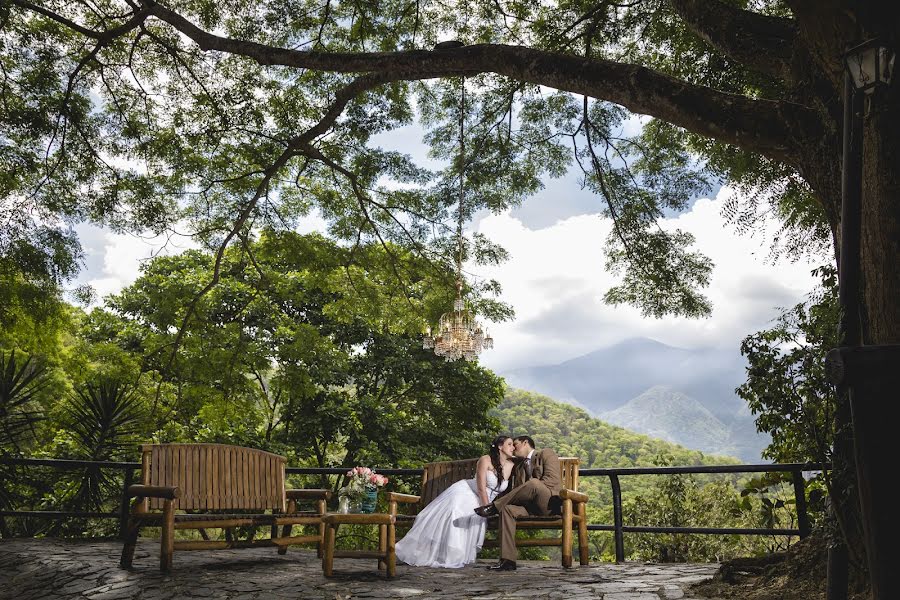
<point>870,64</point>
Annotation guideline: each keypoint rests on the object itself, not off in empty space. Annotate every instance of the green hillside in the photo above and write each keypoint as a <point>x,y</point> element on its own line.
<point>572,431</point>
<point>713,500</point>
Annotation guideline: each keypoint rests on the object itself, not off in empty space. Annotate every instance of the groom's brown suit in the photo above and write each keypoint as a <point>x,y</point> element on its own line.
<point>527,496</point>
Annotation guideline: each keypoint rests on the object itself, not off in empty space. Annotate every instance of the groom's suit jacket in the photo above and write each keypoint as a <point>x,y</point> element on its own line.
<point>544,467</point>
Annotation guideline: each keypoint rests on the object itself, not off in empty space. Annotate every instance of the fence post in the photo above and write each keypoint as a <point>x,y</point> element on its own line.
<point>123,509</point>
<point>617,518</point>
<point>800,498</point>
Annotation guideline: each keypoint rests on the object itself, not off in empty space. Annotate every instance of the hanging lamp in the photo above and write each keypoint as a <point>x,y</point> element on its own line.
<point>459,334</point>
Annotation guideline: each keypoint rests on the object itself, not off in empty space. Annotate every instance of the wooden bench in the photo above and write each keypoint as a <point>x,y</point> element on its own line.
<point>438,476</point>
<point>217,486</point>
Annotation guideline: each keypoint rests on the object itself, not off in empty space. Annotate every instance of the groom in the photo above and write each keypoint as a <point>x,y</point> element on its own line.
<point>535,482</point>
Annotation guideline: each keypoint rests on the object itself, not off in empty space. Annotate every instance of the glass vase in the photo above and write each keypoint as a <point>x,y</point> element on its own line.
<point>369,500</point>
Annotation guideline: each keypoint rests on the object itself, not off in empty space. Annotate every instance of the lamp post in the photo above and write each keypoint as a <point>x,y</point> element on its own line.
<point>871,373</point>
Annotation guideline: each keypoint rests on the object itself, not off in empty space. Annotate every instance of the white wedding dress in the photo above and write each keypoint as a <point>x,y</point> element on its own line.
<point>448,533</point>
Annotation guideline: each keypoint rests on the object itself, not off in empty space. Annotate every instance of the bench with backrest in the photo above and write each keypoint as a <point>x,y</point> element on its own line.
<point>438,476</point>
<point>217,486</point>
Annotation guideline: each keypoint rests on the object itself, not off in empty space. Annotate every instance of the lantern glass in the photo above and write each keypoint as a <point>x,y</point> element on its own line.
<point>870,64</point>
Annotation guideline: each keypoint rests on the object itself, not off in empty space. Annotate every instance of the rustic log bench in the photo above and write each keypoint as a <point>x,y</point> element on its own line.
<point>438,476</point>
<point>217,486</point>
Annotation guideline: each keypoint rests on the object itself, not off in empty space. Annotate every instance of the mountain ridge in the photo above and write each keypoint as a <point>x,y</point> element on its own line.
<point>607,379</point>
<point>669,415</point>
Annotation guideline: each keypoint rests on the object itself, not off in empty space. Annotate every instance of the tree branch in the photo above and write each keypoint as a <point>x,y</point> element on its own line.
<point>773,128</point>
<point>101,36</point>
<point>759,42</point>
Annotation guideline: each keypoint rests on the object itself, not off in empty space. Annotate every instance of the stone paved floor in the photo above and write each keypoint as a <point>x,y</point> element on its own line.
<point>51,569</point>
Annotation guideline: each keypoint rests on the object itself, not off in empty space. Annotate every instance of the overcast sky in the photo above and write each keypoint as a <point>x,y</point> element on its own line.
<point>555,279</point>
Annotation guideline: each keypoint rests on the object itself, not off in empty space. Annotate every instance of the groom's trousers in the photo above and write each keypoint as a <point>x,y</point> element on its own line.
<point>530,498</point>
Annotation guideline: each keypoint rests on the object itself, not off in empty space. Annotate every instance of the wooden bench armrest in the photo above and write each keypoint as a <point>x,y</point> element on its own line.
<point>154,491</point>
<point>308,494</point>
<point>405,498</point>
<point>573,495</point>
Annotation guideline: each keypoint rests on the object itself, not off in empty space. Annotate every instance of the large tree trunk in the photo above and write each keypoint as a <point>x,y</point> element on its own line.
<point>875,378</point>
<point>880,235</point>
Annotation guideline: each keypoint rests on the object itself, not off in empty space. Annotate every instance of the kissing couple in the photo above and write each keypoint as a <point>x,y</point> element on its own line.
<point>512,480</point>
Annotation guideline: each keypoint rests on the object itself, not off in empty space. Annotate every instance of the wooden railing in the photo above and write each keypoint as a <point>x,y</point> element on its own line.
<point>617,527</point>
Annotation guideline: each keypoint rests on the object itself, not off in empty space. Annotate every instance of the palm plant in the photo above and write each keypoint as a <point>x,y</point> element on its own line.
<point>20,383</point>
<point>103,419</point>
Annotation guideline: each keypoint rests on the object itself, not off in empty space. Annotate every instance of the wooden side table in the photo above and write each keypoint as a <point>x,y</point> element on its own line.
<point>386,538</point>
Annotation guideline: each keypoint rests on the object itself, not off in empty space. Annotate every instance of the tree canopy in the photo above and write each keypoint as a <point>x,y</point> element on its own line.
<point>234,115</point>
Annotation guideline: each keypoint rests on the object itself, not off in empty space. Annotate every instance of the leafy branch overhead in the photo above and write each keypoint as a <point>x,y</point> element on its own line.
<point>224,118</point>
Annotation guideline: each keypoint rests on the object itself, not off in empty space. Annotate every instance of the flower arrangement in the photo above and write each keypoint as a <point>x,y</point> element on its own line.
<point>361,479</point>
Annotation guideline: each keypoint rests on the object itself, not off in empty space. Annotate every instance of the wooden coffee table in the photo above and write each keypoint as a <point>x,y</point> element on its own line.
<point>386,538</point>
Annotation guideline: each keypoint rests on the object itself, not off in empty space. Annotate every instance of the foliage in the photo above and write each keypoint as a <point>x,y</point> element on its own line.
<point>304,348</point>
<point>787,388</point>
<point>145,129</point>
<point>680,500</point>
<point>20,383</point>
<point>786,385</point>
<point>100,422</point>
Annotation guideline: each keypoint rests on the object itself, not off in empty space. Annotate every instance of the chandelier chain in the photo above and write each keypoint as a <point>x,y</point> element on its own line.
<point>459,334</point>
<point>462,175</point>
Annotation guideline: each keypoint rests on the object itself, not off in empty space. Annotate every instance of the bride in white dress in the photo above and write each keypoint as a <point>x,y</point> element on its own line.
<point>447,533</point>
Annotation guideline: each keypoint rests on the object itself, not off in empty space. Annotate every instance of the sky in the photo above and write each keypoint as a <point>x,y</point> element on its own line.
<point>555,277</point>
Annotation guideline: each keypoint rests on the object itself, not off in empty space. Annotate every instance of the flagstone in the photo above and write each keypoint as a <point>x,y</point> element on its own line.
<point>45,569</point>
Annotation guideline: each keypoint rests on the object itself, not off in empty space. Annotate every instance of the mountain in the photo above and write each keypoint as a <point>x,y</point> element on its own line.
<point>665,414</point>
<point>608,379</point>
<point>571,431</point>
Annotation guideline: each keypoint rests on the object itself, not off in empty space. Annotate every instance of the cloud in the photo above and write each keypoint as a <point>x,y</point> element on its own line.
<point>555,280</point>
<point>113,261</point>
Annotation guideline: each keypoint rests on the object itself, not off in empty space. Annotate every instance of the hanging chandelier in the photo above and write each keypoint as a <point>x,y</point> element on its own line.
<point>459,333</point>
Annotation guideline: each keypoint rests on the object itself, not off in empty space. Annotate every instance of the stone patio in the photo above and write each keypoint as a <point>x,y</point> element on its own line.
<point>50,569</point>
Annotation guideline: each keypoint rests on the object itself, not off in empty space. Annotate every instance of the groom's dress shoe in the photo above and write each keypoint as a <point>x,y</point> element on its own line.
<point>503,565</point>
<point>488,510</point>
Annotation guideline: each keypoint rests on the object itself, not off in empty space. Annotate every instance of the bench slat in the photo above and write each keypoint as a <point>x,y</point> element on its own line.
<point>216,476</point>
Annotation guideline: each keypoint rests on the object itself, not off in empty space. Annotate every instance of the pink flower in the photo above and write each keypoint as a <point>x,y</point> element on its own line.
<point>360,477</point>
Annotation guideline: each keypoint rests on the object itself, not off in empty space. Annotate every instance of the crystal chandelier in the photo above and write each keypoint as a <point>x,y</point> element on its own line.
<point>459,333</point>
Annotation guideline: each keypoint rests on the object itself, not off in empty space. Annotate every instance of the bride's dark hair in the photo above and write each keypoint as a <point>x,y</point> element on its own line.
<point>495,458</point>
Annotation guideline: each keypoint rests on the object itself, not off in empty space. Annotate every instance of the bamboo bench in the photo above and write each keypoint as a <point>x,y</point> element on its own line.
<point>218,487</point>
<point>438,476</point>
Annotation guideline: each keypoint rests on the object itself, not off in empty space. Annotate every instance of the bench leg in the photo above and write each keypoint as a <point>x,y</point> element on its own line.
<point>131,536</point>
<point>321,506</point>
<point>167,539</point>
<point>582,534</point>
<point>382,547</point>
<point>286,529</point>
<point>285,532</point>
<point>328,554</point>
<point>391,556</point>
<point>567,533</point>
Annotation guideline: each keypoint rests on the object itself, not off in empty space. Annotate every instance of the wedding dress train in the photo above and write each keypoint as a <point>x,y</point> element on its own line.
<point>448,533</point>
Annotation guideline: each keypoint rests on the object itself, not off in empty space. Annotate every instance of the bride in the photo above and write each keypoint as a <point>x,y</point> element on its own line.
<point>447,533</point>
